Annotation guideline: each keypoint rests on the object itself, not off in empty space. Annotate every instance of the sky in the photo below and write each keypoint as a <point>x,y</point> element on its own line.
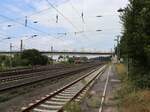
<point>81,32</point>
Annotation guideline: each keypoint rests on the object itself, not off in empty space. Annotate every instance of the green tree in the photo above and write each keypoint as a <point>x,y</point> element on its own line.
<point>135,42</point>
<point>33,57</point>
<point>70,60</point>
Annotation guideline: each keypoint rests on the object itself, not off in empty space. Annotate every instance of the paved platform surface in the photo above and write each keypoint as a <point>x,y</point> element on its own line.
<point>92,101</point>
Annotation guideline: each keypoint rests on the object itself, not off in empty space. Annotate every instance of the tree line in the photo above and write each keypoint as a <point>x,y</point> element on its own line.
<point>135,41</point>
<point>28,57</point>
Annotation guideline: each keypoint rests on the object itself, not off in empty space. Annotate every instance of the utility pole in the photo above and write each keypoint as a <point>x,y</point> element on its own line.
<point>11,46</point>
<point>52,53</point>
<point>128,60</point>
<point>118,49</point>
<point>21,46</point>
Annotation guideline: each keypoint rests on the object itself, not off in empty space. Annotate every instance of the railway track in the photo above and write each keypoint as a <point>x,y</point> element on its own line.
<point>23,76</point>
<point>55,102</point>
<point>10,78</point>
<point>11,82</point>
<point>15,72</point>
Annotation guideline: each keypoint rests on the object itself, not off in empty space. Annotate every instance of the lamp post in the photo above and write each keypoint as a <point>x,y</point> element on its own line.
<point>121,10</point>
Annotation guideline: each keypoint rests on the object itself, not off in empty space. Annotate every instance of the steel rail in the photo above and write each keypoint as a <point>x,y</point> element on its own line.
<point>51,95</point>
<point>32,80</point>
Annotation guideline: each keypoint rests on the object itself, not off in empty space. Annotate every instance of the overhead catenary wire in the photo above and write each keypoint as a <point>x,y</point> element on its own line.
<point>6,35</point>
<point>30,15</point>
<point>38,30</point>
<point>37,13</point>
<point>28,26</point>
<point>35,29</point>
<point>80,14</point>
<point>74,8</point>
<point>59,12</point>
<point>66,18</point>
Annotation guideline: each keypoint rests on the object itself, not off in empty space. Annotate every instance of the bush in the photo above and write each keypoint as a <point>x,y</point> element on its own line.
<point>29,58</point>
<point>130,97</point>
<point>33,57</point>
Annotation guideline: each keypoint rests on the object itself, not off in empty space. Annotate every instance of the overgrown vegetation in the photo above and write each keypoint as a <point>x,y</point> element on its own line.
<point>73,107</point>
<point>4,62</point>
<point>131,99</point>
<point>94,102</point>
<point>134,95</point>
<point>135,42</point>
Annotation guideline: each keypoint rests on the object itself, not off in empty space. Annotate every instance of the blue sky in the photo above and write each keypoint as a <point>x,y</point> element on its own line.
<point>13,12</point>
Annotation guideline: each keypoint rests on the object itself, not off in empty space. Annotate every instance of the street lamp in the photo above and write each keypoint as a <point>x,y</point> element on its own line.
<point>120,11</point>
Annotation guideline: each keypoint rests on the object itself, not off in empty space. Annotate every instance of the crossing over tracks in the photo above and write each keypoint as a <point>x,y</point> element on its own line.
<point>54,102</point>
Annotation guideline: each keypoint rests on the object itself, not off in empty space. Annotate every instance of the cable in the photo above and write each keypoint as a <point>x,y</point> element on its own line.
<point>23,25</point>
<point>30,27</point>
<point>62,14</point>
<point>65,17</point>
<point>38,12</point>
<point>78,13</point>
<point>7,35</point>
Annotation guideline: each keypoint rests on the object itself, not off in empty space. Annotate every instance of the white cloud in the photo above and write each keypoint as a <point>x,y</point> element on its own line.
<point>109,23</point>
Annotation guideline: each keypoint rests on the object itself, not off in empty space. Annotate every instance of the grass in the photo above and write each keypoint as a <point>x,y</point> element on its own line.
<point>94,102</point>
<point>131,99</point>
<point>93,99</point>
<point>138,101</point>
<point>121,70</point>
